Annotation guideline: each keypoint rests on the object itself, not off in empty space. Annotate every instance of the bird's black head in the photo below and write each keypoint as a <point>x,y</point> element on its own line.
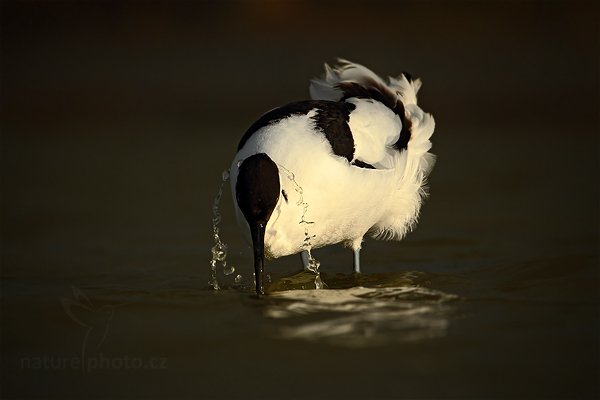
<point>257,192</point>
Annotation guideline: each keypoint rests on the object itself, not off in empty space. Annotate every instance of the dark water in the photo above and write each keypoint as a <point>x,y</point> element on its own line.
<point>117,122</point>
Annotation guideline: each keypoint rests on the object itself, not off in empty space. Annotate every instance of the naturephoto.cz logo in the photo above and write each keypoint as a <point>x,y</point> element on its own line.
<point>95,322</point>
<point>89,364</point>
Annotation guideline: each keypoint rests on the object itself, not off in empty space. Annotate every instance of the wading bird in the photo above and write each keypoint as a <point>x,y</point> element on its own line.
<point>350,162</point>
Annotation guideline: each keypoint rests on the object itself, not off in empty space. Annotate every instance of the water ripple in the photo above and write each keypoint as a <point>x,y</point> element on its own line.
<point>360,316</point>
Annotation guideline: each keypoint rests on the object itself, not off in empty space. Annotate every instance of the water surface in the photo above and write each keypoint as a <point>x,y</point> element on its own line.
<point>118,121</point>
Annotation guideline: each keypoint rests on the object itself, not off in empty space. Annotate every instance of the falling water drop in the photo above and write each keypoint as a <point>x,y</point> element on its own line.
<point>228,269</point>
<point>219,250</point>
<point>313,264</point>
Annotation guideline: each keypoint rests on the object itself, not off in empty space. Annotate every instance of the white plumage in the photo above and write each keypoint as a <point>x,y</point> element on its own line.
<point>349,163</point>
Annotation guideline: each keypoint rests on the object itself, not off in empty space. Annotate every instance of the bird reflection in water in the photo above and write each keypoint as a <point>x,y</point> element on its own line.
<point>362,316</point>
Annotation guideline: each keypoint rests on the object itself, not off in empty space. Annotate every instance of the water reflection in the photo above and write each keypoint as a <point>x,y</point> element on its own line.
<point>361,316</point>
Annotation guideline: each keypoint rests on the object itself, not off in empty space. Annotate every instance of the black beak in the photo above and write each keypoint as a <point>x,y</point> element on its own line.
<point>257,231</point>
<point>257,193</point>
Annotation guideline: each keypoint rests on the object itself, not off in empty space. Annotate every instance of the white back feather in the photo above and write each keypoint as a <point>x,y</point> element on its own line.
<point>411,166</point>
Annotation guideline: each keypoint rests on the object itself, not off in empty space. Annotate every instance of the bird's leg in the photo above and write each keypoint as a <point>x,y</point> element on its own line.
<point>355,245</point>
<point>357,261</point>
<point>305,259</point>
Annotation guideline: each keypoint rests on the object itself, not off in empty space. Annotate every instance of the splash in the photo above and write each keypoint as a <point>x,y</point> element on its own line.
<point>219,250</point>
<point>312,263</point>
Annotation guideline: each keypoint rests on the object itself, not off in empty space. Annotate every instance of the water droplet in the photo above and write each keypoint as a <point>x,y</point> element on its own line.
<point>219,250</point>
<point>238,279</point>
<point>318,282</point>
<point>313,265</point>
<point>228,269</point>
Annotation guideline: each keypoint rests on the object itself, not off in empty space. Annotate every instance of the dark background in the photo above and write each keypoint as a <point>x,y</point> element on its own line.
<point>106,104</point>
<point>117,119</point>
<point>122,114</point>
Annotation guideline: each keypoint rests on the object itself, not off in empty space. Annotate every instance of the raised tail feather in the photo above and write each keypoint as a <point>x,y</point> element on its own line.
<point>402,89</point>
<point>328,86</point>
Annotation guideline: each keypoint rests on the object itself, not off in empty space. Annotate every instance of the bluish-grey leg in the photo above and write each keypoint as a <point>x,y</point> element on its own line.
<point>305,259</point>
<point>357,261</point>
